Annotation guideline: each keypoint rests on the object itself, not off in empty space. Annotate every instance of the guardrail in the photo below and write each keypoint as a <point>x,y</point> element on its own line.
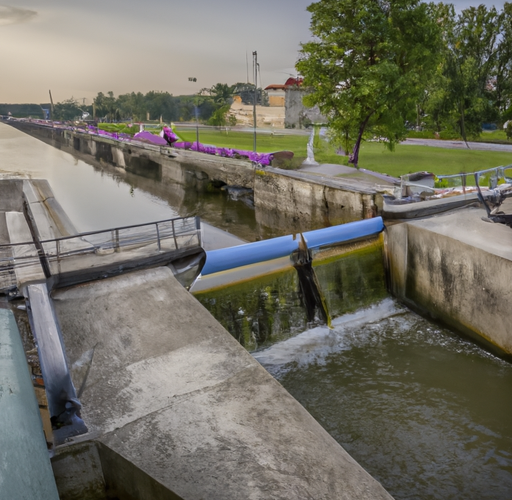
<point>106,246</point>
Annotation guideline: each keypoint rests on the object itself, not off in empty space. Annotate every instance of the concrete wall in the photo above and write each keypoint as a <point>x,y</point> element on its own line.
<point>458,269</point>
<point>25,470</point>
<point>285,200</point>
<point>295,111</point>
<point>296,202</point>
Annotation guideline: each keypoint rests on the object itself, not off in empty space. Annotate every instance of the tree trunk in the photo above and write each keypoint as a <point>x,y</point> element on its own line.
<point>462,126</point>
<point>354,157</point>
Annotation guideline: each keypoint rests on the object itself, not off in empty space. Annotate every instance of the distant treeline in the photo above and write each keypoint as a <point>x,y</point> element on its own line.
<point>24,110</point>
<point>208,105</point>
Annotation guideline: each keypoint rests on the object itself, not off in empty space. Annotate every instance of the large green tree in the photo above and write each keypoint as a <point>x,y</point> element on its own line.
<point>367,65</point>
<point>503,70</point>
<point>470,65</point>
<point>222,93</point>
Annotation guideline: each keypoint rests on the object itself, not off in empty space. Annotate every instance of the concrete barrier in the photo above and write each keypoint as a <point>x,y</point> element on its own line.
<point>25,470</point>
<point>458,269</point>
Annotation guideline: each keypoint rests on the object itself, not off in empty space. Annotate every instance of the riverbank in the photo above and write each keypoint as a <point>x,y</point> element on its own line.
<point>284,201</point>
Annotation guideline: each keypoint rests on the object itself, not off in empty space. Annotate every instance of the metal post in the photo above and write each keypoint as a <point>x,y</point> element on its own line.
<point>174,234</point>
<point>116,240</point>
<point>198,229</point>
<point>158,237</point>
<point>194,79</point>
<point>197,122</point>
<point>255,64</point>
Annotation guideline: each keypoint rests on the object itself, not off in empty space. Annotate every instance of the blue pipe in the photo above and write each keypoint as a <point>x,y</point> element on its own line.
<point>260,251</point>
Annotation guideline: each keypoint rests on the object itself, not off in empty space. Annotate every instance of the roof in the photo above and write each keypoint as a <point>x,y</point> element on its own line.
<point>291,82</point>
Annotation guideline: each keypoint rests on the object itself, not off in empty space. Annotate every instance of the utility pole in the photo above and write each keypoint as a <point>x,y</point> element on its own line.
<point>194,79</point>
<point>255,68</point>
<point>51,106</point>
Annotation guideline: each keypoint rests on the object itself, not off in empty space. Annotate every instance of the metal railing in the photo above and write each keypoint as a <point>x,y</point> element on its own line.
<point>161,236</point>
<point>486,177</point>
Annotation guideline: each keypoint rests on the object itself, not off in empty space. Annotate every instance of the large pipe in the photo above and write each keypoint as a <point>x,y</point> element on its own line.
<point>260,251</point>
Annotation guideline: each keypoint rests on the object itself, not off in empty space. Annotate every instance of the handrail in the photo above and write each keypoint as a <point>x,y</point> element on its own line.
<point>500,171</point>
<point>183,232</point>
<point>100,231</point>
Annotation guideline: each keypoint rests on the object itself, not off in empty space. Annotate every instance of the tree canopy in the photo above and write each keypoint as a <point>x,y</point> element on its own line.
<point>375,65</point>
<point>367,65</point>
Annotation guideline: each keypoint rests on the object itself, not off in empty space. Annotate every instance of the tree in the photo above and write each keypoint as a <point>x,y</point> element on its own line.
<point>503,72</point>
<point>67,110</point>
<point>105,105</point>
<point>246,93</point>
<point>222,117</point>
<point>222,93</point>
<point>469,66</point>
<point>368,64</point>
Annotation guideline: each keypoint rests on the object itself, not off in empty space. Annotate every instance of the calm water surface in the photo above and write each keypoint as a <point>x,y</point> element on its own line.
<point>97,198</point>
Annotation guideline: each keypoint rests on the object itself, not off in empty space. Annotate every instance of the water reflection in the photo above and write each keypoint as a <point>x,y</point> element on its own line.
<point>99,196</point>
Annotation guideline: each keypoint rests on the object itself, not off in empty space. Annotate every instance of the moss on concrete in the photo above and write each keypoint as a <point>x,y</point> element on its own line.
<point>268,309</point>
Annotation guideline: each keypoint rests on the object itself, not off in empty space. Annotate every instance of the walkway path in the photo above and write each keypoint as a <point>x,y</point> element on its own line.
<point>479,146</point>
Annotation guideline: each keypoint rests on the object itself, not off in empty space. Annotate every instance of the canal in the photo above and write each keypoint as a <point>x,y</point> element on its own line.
<point>424,411</point>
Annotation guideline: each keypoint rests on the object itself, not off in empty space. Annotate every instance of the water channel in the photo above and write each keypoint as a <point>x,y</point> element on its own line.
<point>425,411</point>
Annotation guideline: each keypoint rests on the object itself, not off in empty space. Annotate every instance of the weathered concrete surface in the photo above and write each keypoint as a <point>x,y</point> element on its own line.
<point>26,258</point>
<point>25,470</point>
<point>298,200</point>
<point>428,207</point>
<point>45,329</point>
<point>457,268</point>
<point>50,219</point>
<point>11,191</point>
<point>79,472</point>
<point>173,396</point>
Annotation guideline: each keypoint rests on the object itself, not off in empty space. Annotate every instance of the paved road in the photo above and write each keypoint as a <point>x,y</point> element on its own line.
<point>479,146</point>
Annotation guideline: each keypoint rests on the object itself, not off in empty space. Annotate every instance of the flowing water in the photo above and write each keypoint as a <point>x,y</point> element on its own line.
<point>426,412</point>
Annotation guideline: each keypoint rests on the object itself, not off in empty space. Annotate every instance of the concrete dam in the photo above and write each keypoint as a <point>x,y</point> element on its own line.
<point>135,396</point>
<point>154,397</point>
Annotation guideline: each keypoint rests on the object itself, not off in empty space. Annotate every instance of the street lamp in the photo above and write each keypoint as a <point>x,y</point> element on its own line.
<point>194,79</point>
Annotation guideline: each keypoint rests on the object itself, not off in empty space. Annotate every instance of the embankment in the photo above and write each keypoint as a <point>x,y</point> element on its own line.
<point>284,200</point>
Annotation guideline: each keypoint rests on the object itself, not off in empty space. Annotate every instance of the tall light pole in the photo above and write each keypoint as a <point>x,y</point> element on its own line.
<point>255,67</point>
<point>194,79</point>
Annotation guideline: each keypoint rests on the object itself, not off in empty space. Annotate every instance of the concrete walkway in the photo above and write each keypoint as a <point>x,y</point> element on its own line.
<point>344,172</point>
<point>175,404</point>
<point>479,146</point>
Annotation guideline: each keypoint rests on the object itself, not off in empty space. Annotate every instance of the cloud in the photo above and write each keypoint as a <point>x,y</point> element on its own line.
<point>15,15</point>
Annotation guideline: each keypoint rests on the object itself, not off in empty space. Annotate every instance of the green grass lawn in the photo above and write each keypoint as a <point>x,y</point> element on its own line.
<point>406,159</point>
<point>374,156</point>
<point>265,143</point>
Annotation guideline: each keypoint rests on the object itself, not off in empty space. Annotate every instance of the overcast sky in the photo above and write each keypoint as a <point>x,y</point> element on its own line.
<point>79,48</point>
